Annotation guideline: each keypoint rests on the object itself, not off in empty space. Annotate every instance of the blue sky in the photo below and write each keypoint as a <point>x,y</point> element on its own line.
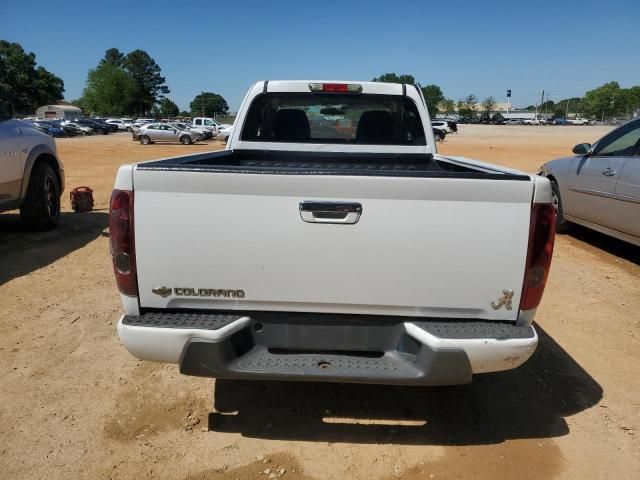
<point>484,48</point>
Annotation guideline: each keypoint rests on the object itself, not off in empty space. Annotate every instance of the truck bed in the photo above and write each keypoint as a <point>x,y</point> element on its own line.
<point>329,163</point>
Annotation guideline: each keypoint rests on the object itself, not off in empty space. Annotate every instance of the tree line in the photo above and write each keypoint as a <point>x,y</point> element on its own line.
<point>606,101</point>
<point>120,85</point>
<point>132,85</point>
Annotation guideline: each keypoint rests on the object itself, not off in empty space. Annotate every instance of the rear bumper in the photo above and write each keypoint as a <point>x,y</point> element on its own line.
<point>339,348</point>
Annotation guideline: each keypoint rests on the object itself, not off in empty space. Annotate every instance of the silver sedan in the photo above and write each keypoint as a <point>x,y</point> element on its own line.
<point>162,132</point>
<point>599,187</point>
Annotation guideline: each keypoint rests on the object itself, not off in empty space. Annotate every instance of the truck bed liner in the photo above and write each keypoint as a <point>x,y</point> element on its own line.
<point>325,163</point>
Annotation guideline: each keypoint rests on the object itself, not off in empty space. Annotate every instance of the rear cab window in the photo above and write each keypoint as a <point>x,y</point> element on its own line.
<point>330,118</point>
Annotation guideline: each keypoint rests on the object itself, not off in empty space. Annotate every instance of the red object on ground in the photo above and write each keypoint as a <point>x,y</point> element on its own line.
<point>81,199</point>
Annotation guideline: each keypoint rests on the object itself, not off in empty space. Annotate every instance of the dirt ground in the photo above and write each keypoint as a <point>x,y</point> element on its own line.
<point>74,404</point>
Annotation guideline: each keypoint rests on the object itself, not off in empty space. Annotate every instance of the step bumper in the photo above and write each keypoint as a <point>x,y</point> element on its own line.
<point>338,348</point>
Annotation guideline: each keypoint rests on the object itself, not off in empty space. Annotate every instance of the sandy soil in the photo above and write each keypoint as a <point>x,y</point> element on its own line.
<point>75,404</point>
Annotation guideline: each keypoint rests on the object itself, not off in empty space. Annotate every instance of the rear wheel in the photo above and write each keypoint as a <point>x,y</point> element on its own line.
<point>40,209</point>
<point>562,226</point>
<point>144,140</point>
<point>185,140</point>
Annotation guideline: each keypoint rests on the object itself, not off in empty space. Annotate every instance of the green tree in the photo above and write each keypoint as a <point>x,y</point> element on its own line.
<point>433,96</point>
<point>113,56</point>
<point>394,78</point>
<point>168,108</point>
<point>22,83</point>
<point>601,102</point>
<point>150,84</point>
<point>488,105</point>
<point>208,104</point>
<point>109,91</point>
<point>568,105</point>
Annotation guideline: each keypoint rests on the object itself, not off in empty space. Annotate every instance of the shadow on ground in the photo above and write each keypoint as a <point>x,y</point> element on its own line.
<point>611,245</point>
<point>22,252</point>
<point>529,402</point>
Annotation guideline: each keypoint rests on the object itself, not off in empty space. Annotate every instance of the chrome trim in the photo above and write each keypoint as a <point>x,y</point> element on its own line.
<point>598,193</point>
<point>330,212</point>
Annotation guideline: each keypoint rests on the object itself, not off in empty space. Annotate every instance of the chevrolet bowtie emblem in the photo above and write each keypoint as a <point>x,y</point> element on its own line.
<point>162,291</point>
<point>507,296</point>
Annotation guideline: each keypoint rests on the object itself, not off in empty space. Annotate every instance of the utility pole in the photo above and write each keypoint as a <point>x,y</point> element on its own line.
<point>202,99</point>
<point>541,102</point>
<point>566,115</point>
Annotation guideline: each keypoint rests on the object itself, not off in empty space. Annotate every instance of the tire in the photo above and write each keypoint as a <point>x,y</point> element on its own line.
<point>144,140</point>
<point>40,208</point>
<point>562,226</point>
<point>186,140</point>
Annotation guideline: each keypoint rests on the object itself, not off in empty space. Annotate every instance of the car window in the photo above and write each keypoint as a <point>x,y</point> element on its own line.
<point>329,118</point>
<point>621,142</point>
<point>198,121</point>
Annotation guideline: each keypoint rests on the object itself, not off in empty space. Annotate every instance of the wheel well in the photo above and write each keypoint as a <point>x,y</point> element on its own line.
<point>50,160</point>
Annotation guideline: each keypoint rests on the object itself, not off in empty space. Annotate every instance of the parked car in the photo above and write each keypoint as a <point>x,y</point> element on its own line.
<point>49,128</point>
<point>441,125</point>
<point>31,174</point>
<point>81,129</point>
<point>163,132</point>
<point>599,187</point>
<point>577,121</point>
<point>224,133</point>
<point>204,133</point>
<point>513,121</point>
<point>206,123</point>
<point>300,254</point>
<point>111,126</point>
<point>70,131</point>
<point>97,127</point>
<point>121,125</point>
<point>439,133</point>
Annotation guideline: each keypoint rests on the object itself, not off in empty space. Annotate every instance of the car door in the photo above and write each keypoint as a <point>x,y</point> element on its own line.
<point>626,215</point>
<point>154,132</point>
<point>592,178</point>
<point>10,162</point>
<point>172,133</point>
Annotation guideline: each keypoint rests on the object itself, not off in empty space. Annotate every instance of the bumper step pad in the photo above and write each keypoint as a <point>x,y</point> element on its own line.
<point>203,321</point>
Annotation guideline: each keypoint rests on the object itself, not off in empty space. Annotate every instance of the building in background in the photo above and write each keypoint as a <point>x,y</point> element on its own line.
<point>58,111</point>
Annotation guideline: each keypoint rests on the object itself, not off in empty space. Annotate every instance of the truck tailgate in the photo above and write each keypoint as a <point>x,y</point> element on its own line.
<point>441,247</point>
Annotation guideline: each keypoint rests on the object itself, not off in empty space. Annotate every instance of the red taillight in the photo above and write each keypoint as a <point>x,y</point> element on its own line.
<point>542,233</point>
<point>336,87</point>
<point>121,239</point>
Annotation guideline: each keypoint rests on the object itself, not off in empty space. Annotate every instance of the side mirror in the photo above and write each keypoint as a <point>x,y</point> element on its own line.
<point>582,149</point>
<point>6,111</point>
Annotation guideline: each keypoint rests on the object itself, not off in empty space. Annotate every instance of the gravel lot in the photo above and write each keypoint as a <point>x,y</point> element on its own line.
<point>75,404</point>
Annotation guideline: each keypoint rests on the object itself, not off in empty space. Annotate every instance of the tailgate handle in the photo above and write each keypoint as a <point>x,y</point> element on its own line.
<point>330,212</point>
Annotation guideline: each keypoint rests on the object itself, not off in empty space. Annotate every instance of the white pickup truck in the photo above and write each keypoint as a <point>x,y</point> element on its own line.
<point>331,242</point>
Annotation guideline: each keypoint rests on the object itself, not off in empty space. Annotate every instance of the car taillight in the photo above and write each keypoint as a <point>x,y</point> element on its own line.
<point>122,242</point>
<point>542,233</point>
<point>336,87</point>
